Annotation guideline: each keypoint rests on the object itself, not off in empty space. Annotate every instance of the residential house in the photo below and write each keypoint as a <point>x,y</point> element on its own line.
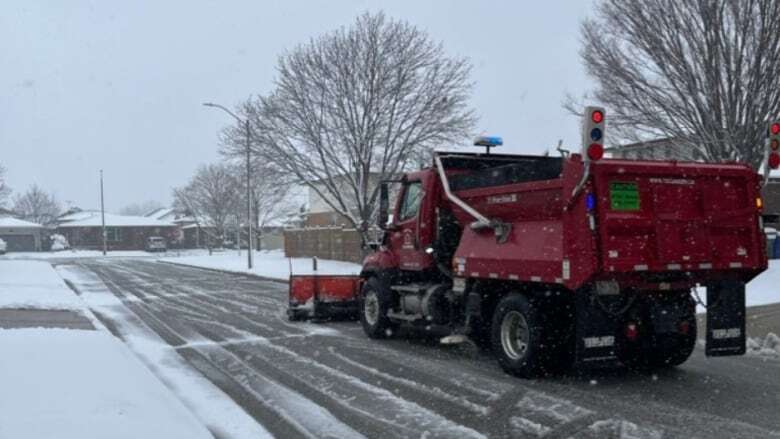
<point>21,236</point>
<point>84,229</point>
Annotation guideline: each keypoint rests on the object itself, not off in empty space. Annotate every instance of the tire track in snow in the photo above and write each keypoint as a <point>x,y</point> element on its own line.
<point>284,403</point>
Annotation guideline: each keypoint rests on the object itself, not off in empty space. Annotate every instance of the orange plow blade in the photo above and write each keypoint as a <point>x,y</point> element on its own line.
<point>323,296</point>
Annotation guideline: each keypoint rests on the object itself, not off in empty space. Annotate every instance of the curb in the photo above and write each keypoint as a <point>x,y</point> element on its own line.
<point>223,271</point>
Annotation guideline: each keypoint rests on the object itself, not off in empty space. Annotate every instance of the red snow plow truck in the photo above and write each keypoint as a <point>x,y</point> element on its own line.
<point>552,261</point>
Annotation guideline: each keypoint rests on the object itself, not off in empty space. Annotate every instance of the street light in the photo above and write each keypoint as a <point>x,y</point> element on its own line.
<point>248,178</point>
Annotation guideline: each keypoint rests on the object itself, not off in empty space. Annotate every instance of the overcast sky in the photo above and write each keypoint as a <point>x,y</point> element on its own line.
<point>86,85</point>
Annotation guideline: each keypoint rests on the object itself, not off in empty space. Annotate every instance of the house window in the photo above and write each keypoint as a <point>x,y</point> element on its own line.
<point>412,197</point>
<point>113,234</point>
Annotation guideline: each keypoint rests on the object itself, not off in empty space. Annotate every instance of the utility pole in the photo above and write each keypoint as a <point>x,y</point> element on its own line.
<point>248,178</point>
<point>103,215</point>
<point>248,195</point>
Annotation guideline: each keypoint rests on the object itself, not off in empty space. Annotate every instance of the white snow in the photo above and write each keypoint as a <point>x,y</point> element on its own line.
<point>271,264</point>
<point>765,288</point>
<point>768,347</point>
<point>208,402</point>
<point>72,253</point>
<point>34,285</point>
<point>76,383</point>
<point>59,383</point>
<point>94,219</point>
<point>7,221</point>
<point>762,290</point>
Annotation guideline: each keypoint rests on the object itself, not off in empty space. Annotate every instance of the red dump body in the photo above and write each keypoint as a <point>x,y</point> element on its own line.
<point>647,224</point>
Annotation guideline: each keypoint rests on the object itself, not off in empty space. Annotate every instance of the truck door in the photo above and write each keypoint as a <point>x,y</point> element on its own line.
<point>406,236</point>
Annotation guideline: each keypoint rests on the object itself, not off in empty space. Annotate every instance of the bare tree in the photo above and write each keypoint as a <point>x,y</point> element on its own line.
<point>141,209</point>
<point>5,191</point>
<point>38,206</point>
<point>358,105</point>
<point>703,72</point>
<point>211,196</point>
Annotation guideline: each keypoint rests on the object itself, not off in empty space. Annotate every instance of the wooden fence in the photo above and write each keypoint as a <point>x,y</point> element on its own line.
<point>325,243</point>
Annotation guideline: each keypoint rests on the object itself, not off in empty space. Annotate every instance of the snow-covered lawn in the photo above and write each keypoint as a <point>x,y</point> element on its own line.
<point>765,288</point>
<point>60,383</point>
<point>91,254</point>
<point>69,383</point>
<point>35,285</point>
<point>271,264</point>
<point>212,406</point>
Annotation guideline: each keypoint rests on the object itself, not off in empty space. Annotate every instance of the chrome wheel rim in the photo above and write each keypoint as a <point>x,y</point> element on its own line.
<point>514,335</point>
<point>371,308</point>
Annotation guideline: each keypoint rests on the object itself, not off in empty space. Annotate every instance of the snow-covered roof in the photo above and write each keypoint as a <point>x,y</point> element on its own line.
<point>113,220</point>
<point>162,213</point>
<point>8,221</point>
<point>78,215</point>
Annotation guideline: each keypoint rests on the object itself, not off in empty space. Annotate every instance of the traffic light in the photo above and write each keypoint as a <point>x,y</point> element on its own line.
<point>774,145</point>
<point>593,134</point>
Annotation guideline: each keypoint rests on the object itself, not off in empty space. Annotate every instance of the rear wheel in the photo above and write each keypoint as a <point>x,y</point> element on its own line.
<point>375,301</point>
<point>517,335</point>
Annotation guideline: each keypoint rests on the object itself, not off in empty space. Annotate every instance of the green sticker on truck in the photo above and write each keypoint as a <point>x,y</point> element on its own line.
<point>623,196</point>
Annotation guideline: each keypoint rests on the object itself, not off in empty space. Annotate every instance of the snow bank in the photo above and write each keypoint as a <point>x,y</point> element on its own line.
<point>34,284</point>
<point>83,384</point>
<point>271,264</point>
<point>762,290</point>
<point>765,288</point>
<point>768,347</point>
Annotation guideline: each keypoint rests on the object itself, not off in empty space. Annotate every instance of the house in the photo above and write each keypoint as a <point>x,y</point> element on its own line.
<point>321,214</point>
<point>659,149</point>
<point>84,229</point>
<point>165,214</point>
<point>21,236</point>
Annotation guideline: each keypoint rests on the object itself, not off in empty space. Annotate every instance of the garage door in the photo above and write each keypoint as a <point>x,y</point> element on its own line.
<point>19,243</point>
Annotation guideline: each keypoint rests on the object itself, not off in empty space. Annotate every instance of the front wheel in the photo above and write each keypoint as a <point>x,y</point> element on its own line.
<point>517,336</point>
<point>375,301</point>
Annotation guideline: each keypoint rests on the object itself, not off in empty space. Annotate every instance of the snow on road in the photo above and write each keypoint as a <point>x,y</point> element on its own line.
<point>83,384</point>
<point>208,402</point>
<point>34,285</point>
<point>270,264</point>
<point>327,383</point>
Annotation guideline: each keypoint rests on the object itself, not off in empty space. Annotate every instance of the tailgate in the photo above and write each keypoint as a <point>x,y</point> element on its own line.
<point>662,216</point>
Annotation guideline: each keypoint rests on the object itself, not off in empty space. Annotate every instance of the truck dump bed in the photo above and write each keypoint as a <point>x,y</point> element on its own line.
<point>640,222</point>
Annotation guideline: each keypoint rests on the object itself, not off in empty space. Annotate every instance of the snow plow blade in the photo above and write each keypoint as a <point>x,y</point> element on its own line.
<point>319,297</point>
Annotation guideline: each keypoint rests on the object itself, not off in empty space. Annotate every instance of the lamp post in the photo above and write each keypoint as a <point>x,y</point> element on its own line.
<point>245,122</point>
<point>103,215</point>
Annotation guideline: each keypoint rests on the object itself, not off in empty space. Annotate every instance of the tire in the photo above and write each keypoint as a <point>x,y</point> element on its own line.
<point>518,336</point>
<point>375,301</point>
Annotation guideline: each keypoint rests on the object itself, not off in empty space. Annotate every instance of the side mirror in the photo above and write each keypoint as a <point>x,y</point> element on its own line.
<point>384,205</point>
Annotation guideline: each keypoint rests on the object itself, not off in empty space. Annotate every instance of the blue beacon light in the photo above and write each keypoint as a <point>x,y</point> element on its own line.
<point>590,201</point>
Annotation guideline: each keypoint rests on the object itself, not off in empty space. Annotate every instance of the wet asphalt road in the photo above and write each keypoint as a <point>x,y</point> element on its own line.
<point>329,380</point>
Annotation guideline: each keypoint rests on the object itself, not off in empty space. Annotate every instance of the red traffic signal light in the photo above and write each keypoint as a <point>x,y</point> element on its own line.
<point>774,160</point>
<point>597,116</point>
<point>774,129</point>
<point>596,151</point>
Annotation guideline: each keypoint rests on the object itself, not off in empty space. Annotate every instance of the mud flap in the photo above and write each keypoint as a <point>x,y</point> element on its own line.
<point>595,327</point>
<point>725,319</point>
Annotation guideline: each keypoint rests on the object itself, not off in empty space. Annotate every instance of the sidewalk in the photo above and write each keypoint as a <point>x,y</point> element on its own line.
<point>60,381</point>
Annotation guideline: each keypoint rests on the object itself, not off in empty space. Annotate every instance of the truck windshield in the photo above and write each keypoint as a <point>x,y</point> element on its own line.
<point>411,203</point>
